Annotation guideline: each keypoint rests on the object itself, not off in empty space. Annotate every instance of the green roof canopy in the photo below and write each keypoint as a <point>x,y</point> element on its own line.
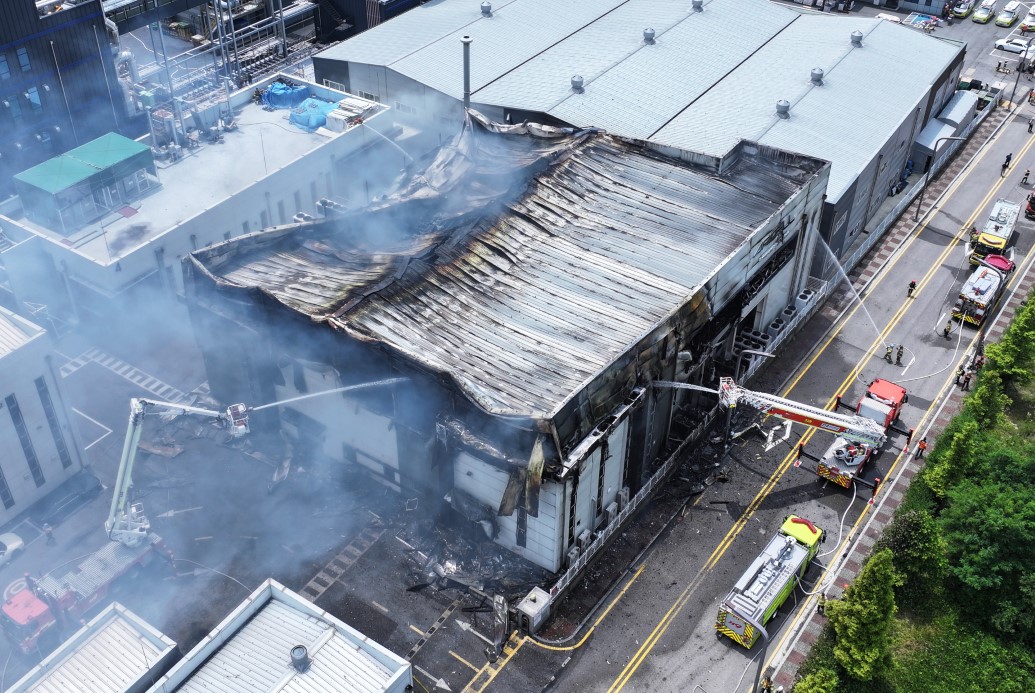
<point>75,166</point>
<point>107,150</point>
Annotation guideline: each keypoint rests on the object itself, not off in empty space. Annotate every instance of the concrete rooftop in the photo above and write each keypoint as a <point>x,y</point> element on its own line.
<point>263,142</point>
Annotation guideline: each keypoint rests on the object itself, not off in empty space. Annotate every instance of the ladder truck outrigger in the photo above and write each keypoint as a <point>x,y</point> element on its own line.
<point>859,436</point>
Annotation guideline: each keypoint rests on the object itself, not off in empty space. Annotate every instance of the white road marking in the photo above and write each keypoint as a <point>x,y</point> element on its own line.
<point>96,423</point>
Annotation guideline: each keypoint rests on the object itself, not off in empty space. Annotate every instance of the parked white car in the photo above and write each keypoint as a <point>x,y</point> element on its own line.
<point>1015,46</point>
<point>10,546</point>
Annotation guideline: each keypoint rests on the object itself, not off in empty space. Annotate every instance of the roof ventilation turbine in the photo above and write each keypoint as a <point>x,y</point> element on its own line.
<point>648,36</point>
<point>817,76</point>
<point>698,5</point>
<point>857,38</point>
<point>300,659</point>
<point>783,109</point>
<point>487,9</point>
<point>576,84</point>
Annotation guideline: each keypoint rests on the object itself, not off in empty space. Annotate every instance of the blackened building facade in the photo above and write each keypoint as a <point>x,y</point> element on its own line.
<point>58,86</point>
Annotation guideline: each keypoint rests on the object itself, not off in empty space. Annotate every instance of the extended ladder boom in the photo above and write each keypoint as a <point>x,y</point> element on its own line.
<point>857,429</point>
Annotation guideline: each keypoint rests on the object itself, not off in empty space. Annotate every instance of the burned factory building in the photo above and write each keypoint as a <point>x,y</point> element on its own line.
<point>507,312</point>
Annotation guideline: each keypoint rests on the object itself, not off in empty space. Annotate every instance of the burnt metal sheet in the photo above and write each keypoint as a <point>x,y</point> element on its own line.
<point>523,261</point>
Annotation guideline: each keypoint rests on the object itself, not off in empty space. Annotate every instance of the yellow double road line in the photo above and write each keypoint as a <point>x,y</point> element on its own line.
<point>651,641</point>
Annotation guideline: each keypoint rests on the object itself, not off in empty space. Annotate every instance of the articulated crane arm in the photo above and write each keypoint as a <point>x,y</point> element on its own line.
<point>128,525</point>
<point>857,429</point>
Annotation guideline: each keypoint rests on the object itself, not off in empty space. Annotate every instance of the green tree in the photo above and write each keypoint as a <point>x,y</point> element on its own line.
<point>919,555</point>
<point>1013,354</point>
<point>862,620</point>
<point>820,681</point>
<point>948,465</point>
<point>989,528</point>
<point>988,403</point>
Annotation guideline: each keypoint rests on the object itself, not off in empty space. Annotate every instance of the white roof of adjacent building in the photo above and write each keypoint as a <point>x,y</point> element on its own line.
<point>250,652</point>
<point>115,652</point>
<point>263,142</point>
<point>15,331</point>
<point>709,80</point>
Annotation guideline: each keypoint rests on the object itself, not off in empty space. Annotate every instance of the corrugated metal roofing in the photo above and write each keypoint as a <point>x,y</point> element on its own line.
<point>107,150</point>
<point>541,24</point>
<point>15,331</point>
<point>641,86</point>
<point>847,125</point>
<point>711,79</point>
<point>258,658</point>
<point>57,174</point>
<point>522,307</point>
<point>960,109</point>
<point>114,653</point>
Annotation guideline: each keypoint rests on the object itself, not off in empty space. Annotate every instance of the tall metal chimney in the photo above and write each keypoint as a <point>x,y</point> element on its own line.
<point>466,40</point>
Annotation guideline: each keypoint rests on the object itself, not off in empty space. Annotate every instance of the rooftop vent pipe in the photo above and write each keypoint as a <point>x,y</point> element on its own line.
<point>487,9</point>
<point>783,108</point>
<point>466,40</point>
<point>857,38</point>
<point>648,36</point>
<point>576,84</point>
<point>698,5</point>
<point>817,75</point>
<point>300,659</point>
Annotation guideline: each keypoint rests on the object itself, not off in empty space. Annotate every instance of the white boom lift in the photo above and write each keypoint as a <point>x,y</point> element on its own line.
<point>126,522</point>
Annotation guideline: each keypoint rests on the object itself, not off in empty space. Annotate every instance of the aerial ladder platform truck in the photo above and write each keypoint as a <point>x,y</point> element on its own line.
<point>860,435</point>
<point>34,618</point>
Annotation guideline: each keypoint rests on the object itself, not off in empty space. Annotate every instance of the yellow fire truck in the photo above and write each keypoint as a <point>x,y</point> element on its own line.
<point>768,581</point>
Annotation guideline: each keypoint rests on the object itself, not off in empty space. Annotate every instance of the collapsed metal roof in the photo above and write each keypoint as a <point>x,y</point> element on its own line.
<point>523,261</point>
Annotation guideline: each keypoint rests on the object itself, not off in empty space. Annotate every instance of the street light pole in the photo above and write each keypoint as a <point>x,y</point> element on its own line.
<point>736,379</point>
<point>1020,65</point>
<point>927,174</point>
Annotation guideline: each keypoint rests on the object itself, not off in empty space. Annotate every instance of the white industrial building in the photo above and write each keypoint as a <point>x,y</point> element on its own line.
<point>40,444</point>
<point>530,286</point>
<point>112,222</point>
<point>277,641</point>
<point>116,652</point>
<point>696,75</point>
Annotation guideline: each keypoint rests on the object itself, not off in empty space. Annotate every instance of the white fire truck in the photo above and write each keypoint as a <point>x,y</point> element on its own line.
<point>983,289</point>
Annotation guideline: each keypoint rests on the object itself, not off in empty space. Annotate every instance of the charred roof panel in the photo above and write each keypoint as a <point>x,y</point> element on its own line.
<point>544,262</point>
